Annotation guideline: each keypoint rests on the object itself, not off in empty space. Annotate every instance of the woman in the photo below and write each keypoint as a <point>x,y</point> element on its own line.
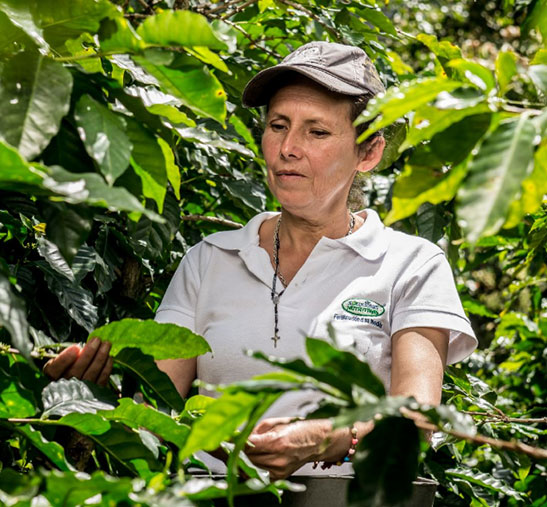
<point>287,275</point>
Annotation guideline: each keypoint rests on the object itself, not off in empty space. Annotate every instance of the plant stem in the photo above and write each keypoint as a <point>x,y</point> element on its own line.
<point>535,452</point>
<point>214,220</point>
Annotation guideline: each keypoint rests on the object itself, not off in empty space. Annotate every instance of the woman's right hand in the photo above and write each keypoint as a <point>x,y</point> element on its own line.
<point>91,362</point>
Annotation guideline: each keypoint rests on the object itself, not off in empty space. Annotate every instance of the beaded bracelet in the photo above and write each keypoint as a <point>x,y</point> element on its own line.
<point>347,457</point>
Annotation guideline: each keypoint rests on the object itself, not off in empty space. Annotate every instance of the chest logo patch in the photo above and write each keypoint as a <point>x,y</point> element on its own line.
<point>363,307</point>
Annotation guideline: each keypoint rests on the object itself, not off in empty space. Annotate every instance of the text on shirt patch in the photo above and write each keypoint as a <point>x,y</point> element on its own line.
<point>361,310</point>
<point>363,307</point>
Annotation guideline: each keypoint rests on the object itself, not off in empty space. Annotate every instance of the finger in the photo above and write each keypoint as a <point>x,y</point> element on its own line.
<point>104,376</point>
<point>86,356</point>
<point>56,367</point>
<point>98,363</point>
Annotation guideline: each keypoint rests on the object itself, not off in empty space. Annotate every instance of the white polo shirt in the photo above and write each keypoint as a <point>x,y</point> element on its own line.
<point>368,285</point>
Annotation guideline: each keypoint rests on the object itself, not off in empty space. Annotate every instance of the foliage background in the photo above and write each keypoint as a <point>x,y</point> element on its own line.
<point>123,142</point>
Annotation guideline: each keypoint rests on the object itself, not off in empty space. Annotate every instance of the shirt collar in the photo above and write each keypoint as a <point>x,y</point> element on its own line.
<point>370,241</point>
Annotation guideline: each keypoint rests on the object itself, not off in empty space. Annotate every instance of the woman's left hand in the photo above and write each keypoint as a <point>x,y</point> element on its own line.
<point>282,445</point>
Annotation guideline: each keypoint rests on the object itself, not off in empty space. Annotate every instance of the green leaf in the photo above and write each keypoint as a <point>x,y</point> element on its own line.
<point>325,377</point>
<point>468,133</point>
<point>15,400</point>
<point>444,50</point>
<point>61,21</point>
<point>81,489</point>
<point>77,301</point>
<point>219,422</point>
<point>386,463</point>
<point>173,171</point>
<point>144,369</point>
<point>430,120</point>
<point>495,175</point>
<point>87,422</point>
<point>398,101</point>
<point>431,222</point>
<point>394,135</point>
<point>104,137</point>
<point>179,28</point>
<point>418,185</point>
<point>197,88</point>
<point>13,317</point>
<point>375,16</point>
<point>148,162</point>
<point>344,364</point>
<point>540,58</point>
<point>485,480</point>
<point>21,16</point>
<point>533,190</point>
<point>67,227</point>
<point>475,73</point>
<point>142,416</point>
<point>90,188</point>
<point>126,449</point>
<point>64,396</point>
<point>119,36</point>
<point>385,406</point>
<point>537,18</point>
<point>35,93</point>
<point>161,341</point>
<point>506,68</point>
<point>50,252</point>
<point>52,450</point>
<point>538,75</point>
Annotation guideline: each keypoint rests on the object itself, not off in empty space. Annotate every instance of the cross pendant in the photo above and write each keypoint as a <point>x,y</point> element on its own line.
<point>275,338</point>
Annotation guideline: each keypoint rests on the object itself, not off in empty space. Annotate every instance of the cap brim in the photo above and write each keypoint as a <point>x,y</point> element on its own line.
<point>259,89</point>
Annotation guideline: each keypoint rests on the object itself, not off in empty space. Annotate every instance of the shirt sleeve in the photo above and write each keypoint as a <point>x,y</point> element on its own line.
<point>428,297</point>
<point>178,305</point>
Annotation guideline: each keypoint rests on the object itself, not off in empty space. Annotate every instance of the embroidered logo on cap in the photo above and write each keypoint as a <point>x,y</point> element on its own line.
<point>363,307</point>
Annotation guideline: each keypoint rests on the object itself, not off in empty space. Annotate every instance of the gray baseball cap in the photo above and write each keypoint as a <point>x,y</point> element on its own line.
<point>337,67</point>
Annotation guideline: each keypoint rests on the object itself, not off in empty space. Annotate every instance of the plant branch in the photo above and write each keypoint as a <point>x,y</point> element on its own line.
<point>214,220</point>
<point>312,15</point>
<point>504,418</point>
<point>237,9</point>
<point>515,446</point>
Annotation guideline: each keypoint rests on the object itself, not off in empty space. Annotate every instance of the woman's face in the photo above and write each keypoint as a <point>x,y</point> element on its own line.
<point>309,148</point>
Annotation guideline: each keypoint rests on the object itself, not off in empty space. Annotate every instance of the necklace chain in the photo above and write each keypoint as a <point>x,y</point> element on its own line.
<point>277,274</point>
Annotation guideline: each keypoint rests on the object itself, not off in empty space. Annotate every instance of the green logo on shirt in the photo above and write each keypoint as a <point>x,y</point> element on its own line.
<point>363,307</point>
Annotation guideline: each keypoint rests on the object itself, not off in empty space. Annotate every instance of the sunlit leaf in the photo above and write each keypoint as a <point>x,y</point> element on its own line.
<point>475,73</point>
<point>179,28</point>
<point>15,400</point>
<point>21,16</point>
<point>225,415</point>
<point>104,137</point>
<point>142,416</point>
<point>197,88</point>
<point>398,101</point>
<point>506,68</point>
<point>429,121</point>
<point>162,341</point>
<point>533,190</point>
<point>495,175</point>
<point>65,396</point>
<point>148,162</point>
<point>418,185</point>
<point>35,93</point>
